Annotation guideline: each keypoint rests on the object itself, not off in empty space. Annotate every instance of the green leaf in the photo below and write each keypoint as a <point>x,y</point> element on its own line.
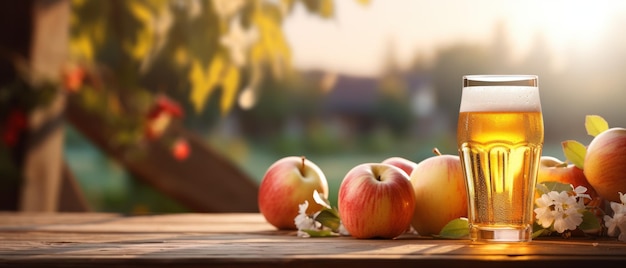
<point>455,229</point>
<point>542,188</point>
<point>574,152</point>
<point>538,230</point>
<point>139,46</point>
<point>203,82</point>
<point>329,218</point>
<point>595,124</point>
<point>201,85</point>
<point>230,87</point>
<point>590,223</point>
<point>320,233</point>
<point>557,186</point>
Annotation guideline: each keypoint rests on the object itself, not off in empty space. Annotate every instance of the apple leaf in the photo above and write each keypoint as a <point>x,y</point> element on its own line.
<point>590,222</point>
<point>455,229</point>
<point>595,125</point>
<point>329,218</point>
<point>538,230</point>
<point>541,188</point>
<point>549,186</point>
<point>319,233</point>
<point>574,152</point>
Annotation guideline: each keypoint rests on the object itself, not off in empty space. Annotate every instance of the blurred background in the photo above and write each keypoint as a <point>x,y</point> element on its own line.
<point>340,82</point>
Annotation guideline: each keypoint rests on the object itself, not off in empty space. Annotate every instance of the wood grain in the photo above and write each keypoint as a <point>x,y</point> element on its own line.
<point>246,240</point>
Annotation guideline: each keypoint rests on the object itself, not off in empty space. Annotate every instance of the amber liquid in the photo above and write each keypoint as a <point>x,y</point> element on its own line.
<point>500,154</point>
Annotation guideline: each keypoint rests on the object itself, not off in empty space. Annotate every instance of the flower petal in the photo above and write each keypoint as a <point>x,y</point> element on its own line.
<point>544,201</point>
<point>610,224</point>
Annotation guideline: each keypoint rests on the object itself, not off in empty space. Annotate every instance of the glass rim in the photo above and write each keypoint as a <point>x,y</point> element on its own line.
<point>500,80</point>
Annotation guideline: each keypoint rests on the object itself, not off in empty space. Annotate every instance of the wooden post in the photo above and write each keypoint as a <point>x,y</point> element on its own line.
<point>43,160</point>
<point>41,31</point>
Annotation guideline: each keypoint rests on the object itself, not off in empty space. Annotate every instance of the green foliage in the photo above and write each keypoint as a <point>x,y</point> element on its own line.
<point>590,222</point>
<point>25,93</point>
<point>455,229</point>
<point>194,46</point>
<point>595,124</point>
<point>330,218</point>
<point>549,186</point>
<point>574,152</point>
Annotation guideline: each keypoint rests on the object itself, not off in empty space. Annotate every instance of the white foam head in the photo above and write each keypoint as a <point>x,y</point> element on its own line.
<point>500,99</point>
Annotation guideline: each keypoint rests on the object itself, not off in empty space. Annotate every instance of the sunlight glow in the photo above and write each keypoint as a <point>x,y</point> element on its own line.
<point>361,36</point>
<point>578,23</point>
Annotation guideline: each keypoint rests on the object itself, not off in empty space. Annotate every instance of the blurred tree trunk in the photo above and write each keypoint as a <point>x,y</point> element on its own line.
<point>36,31</point>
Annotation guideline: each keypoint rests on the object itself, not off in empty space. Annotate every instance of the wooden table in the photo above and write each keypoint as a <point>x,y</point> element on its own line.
<point>241,240</point>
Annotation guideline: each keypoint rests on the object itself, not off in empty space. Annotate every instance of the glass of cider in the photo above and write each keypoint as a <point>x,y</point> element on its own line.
<point>500,137</point>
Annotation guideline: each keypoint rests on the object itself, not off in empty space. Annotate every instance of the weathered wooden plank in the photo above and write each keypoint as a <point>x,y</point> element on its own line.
<point>236,246</point>
<point>245,239</point>
<point>331,250</point>
<point>241,245</point>
<point>101,222</point>
<point>12,219</point>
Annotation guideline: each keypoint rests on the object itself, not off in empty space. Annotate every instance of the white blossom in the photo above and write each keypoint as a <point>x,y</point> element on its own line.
<point>342,230</point>
<point>311,225</point>
<point>617,224</point>
<point>303,234</point>
<point>320,200</point>
<point>544,212</point>
<point>302,220</point>
<point>580,192</point>
<point>622,226</point>
<point>559,210</point>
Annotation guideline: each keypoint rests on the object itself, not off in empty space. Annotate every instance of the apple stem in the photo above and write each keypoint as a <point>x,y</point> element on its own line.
<point>302,166</point>
<point>436,151</point>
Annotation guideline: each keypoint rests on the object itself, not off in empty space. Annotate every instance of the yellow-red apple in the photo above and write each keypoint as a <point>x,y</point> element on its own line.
<point>402,163</point>
<point>286,184</point>
<point>376,200</point>
<point>440,193</point>
<point>605,163</point>
<point>553,169</point>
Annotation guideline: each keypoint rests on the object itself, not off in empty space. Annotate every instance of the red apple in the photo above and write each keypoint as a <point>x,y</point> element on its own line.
<point>402,163</point>
<point>376,200</point>
<point>180,149</point>
<point>286,184</point>
<point>605,163</point>
<point>440,193</point>
<point>552,169</point>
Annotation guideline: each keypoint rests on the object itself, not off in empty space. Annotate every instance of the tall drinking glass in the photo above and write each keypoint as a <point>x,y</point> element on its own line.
<point>500,138</point>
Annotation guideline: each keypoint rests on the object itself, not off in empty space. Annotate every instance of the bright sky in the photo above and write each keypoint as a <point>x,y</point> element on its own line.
<point>357,39</point>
